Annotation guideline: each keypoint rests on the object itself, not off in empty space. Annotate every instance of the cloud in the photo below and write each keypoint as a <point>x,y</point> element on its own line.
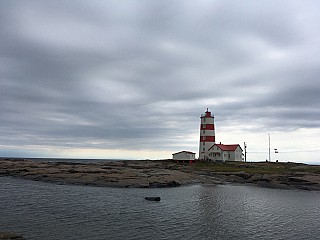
<point>137,75</point>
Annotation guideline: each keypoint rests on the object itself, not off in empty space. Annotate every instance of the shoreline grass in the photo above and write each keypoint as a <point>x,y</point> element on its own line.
<point>258,167</point>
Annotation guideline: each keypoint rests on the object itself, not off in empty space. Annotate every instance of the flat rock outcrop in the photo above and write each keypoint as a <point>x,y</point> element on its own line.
<point>162,173</point>
<point>304,181</point>
<point>144,174</point>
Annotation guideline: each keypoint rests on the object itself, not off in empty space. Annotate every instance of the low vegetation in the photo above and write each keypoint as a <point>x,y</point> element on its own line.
<point>258,167</point>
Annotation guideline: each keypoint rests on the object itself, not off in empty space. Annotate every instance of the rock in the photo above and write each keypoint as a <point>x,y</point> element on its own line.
<point>243,175</point>
<point>164,184</point>
<point>157,199</point>
<point>235,179</point>
<point>173,184</point>
<point>260,178</point>
<point>10,236</point>
<point>4,173</point>
<point>157,185</point>
<point>72,170</point>
<point>298,180</point>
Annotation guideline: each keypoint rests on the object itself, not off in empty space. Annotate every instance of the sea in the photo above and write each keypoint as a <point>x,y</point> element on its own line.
<point>47,211</point>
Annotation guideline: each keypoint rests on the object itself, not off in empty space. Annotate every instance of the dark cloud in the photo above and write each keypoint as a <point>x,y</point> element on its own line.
<point>137,75</point>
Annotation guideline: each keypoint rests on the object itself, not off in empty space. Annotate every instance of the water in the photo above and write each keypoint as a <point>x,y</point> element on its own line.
<point>48,211</point>
<point>71,160</point>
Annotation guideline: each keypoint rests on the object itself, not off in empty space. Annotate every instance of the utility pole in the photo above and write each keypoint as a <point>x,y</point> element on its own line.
<point>269,148</point>
<point>245,151</point>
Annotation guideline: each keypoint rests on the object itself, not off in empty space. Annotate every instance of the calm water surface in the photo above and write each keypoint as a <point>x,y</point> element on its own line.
<point>48,211</point>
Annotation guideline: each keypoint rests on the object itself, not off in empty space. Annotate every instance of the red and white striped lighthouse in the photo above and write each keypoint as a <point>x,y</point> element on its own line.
<point>207,134</point>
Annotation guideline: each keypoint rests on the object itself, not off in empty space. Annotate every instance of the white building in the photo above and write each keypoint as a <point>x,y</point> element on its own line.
<point>221,153</point>
<point>184,156</point>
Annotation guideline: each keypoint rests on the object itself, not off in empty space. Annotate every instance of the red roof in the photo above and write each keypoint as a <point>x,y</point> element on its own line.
<point>230,147</point>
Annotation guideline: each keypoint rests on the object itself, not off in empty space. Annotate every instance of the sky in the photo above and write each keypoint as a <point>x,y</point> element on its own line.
<point>130,79</point>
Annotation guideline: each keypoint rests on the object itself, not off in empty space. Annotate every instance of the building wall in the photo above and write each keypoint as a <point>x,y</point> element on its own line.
<point>184,156</point>
<point>232,155</point>
<point>235,155</point>
<point>238,154</point>
<point>216,154</point>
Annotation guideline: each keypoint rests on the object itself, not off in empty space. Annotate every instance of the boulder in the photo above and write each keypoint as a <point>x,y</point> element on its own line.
<point>164,184</point>
<point>10,236</point>
<point>157,199</point>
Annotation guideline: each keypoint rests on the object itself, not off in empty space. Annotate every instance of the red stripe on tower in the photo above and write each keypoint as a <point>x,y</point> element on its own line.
<point>207,127</point>
<point>207,139</point>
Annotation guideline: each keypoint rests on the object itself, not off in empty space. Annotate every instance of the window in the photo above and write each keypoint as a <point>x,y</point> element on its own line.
<point>204,131</point>
<point>204,137</point>
<point>204,119</point>
<point>203,125</point>
<point>203,149</point>
<point>204,143</point>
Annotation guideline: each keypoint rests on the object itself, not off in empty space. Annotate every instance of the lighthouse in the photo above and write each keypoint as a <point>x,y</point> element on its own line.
<point>207,134</point>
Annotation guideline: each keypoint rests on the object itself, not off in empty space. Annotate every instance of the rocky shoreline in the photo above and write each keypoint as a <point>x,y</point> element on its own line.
<point>139,174</point>
<point>153,174</point>
<point>302,181</point>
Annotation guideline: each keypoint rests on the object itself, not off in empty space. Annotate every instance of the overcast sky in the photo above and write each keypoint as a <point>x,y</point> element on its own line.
<point>130,79</point>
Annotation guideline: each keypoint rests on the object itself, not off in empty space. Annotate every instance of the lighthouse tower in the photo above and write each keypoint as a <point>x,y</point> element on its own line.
<point>207,134</point>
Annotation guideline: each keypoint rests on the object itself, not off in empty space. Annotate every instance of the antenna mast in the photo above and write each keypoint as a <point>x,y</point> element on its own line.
<point>269,148</point>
